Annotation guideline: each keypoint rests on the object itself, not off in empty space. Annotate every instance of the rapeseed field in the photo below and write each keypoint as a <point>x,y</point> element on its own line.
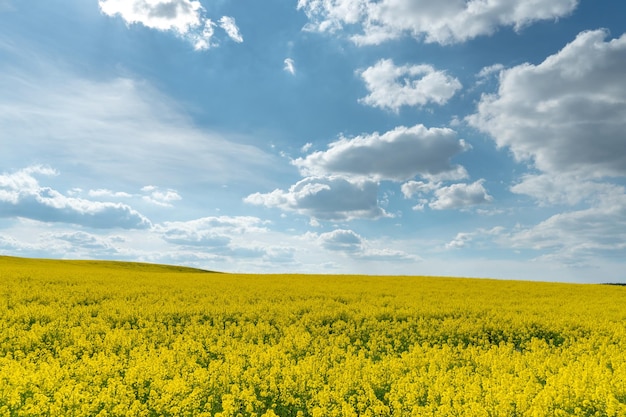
<point>117,339</point>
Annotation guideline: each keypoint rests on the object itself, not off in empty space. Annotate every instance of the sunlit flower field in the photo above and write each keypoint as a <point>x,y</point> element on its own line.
<point>117,339</point>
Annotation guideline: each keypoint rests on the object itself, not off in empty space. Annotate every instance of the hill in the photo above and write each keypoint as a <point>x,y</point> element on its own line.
<point>111,265</point>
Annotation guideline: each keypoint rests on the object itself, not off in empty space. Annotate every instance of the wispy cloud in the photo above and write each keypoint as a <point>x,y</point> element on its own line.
<point>290,66</point>
<point>228,24</point>
<point>120,129</point>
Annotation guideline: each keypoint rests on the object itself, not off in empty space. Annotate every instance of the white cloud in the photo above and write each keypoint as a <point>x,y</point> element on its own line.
<point>119,129</point>
<point>228,24</point>
<point>341,240</point>
<point>352,244</point>
<point>460,240</point>
<point>567,115</point>
<point>550,189</point>
<point>579,236</point>
<point>306,147</point>
<point>186,18</point>
<point>397,155</point>
<point>178,15</point>
<point>489,70</point>
<point>101,192</point>
<point>412,188</point>
<point>460,196</point>
<point>21,196</point>
<point>235,225</point>
<point>290,66</point>
<point>463,239</point>
<point>159,197</point>
<point>435,21</point>
<point>325,198</point>
<point>392,87</point>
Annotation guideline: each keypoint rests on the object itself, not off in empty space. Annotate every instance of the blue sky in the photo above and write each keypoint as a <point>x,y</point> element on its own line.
<point>423,137</point>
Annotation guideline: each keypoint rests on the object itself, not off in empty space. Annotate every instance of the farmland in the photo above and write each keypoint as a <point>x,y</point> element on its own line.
<point>87,338</point>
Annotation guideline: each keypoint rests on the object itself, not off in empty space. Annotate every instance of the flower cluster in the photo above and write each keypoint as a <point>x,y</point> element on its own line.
<point>90,339</point>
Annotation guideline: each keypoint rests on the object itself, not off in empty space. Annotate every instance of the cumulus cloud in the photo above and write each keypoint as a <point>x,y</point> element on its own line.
<point>434,21</point>
<point>342,182</point>
<point>354,245</point>
<point>21,196</point>
<point>566,115</point>
<point>325,198</point>
<point>290,66</point>
<point>397,155</point>
<point>179,15</point>
<point>391,87</point>
<point>440,197</point>
<point>341,240</point>
<point>164,198</point>
<point>460,196</point>
<point>186,18</point>
<point>412,188</point>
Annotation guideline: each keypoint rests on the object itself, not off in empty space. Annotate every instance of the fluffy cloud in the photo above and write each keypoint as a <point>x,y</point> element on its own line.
<point>412,188</point>
<point>567,117</point>
<point>178,15</point>
<point>341,183</point>
<point>22,196</point>
<point>455,196</point>
<point>325,198</point>
<point>351,243</point>
<point>392,87</point>
<point>460,196</point>
<point>341,240</point>
<point>160,197</point>
<point>184,17</point>
<point>397,155</point>
<point>567,114</point>
<point>436,21</point>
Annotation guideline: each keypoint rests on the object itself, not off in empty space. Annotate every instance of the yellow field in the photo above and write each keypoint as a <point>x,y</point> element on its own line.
<point>115,339</point>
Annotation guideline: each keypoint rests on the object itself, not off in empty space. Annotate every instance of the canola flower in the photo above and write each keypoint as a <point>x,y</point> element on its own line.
<point>117,339</point>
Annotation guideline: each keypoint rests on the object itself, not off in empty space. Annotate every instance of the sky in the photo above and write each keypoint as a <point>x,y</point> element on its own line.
<point>475,138</point>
